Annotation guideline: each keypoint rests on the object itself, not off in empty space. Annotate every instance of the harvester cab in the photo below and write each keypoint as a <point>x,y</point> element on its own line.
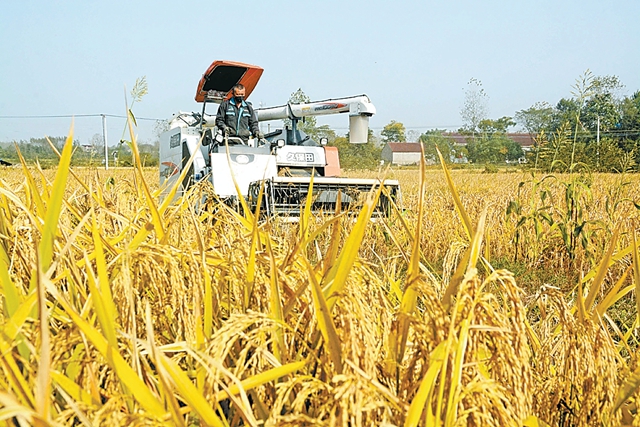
<point>280,166</point>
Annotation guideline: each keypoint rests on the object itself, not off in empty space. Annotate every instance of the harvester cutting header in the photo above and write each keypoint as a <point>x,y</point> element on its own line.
<point>280,162</point>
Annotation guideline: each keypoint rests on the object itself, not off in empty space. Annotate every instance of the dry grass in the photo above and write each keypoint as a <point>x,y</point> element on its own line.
<point>149,314</point>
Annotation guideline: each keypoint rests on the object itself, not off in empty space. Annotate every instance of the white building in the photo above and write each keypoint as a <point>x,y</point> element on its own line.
<point>402,153</point>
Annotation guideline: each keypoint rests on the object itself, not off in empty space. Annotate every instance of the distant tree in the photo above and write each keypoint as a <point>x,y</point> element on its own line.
<point>536,119</point>
<point>413,135</point>
<point>630,117</point>
<point>323,131</point>
<point>357,156</point>
<point>475,108</point>
<point>307,124</point>
<point>393,132</point>
<point>490,127</point>
<point>565,112</point>
<point>159,127</point>
<point>491,144</point>
<point>435,138</point>
<point>496,148</point>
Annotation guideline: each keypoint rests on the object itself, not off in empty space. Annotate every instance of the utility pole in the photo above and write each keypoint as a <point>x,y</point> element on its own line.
<point>104,138</point>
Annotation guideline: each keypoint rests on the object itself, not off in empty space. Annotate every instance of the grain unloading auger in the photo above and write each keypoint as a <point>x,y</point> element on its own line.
<point>282,165</point>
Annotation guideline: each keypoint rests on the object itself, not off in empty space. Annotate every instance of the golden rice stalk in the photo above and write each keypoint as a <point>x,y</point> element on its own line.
<point>325,321</point>
<point>336,278</point>
<point>125,373</point>
<point>276,305</point>
<point>410,295</point>
<point>601,272</point>
<point>151,204</point>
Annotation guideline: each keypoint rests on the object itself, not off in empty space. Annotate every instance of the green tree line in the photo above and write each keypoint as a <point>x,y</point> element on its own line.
<point>596,128</point>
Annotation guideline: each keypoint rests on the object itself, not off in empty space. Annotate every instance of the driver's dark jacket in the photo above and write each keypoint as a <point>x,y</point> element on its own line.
<point>240,121</point>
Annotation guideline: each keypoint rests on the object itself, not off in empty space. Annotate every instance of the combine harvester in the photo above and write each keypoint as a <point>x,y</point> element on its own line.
<point>281,166</point>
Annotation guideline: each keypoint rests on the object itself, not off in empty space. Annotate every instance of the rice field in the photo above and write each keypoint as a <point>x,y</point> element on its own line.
<point>486,299</point>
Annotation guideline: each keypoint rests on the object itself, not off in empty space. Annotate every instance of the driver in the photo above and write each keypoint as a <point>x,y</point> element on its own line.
<point>236,116</point>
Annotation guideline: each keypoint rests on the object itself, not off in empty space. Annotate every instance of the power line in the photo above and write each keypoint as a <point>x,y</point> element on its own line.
<point>70,116</point>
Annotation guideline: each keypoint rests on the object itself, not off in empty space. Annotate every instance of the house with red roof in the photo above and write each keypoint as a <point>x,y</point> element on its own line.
<point>402,153</point>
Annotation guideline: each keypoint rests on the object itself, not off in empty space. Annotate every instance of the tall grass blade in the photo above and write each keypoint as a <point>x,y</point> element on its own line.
<point>455,383</point>
<point>636,273</point>
<point>164,388</point>
<point>14,377</point>
<point>262,378</point>
<point>125,373</point>
<point>306,213</point>
<point>156,220</point>
<point>253,249</point>
<point>276,304</point>
<point>410,295</point>
<point>54,206</point>
<point>627,389</point>
<point>31,189</point>
<point>45,257</point>
<point>336,279</point>
<point>101,306</point>
<point>190,393</point>
<point>12,295</point>
<point>466,260</point>
<point>104,283</point>
<point>325,321</point>
<point>420,401</point>
<point>73,389</point>
<point>601,272</point>
<point>466,220</point>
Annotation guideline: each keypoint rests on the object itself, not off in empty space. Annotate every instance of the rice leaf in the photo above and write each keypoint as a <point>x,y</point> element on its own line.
<point>166,391</point>
<point>614,294</point>
<point>454,385</point>
<point>255,240</point>
<point>127,376</point>
<point>276,304</point>
<point>325,321</point>
<point>72,389</point>
<point>189,392</point>
<point>425,390</point>
<point>13,373</point>
<point>156,220</point>
<point>54,206</point>
<point>104,283</point>
<point>533,421</point>
<point>601,272</point>
<point>627,389</point>
<point>263,378</point>
<point>12,295</point>
<point>466,221</point>
<point>336,279</point>
<point>636,273</point>
<point>410,295</point>
<point>101,306</point>
<point>31,189</point>
<point>306,212</point>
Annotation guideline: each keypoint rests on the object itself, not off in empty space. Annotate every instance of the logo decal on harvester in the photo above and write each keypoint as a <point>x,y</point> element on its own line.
<point>174,141</point>
<point>300,157</point>
<point>329,106</point>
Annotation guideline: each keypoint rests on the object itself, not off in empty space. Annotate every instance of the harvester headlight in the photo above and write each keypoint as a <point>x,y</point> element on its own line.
<point>323,141</point>
<point>242,159</point>
<point>280,143</point>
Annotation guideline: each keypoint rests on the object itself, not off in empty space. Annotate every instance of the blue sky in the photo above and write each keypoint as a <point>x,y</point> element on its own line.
<point>412,58</point>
